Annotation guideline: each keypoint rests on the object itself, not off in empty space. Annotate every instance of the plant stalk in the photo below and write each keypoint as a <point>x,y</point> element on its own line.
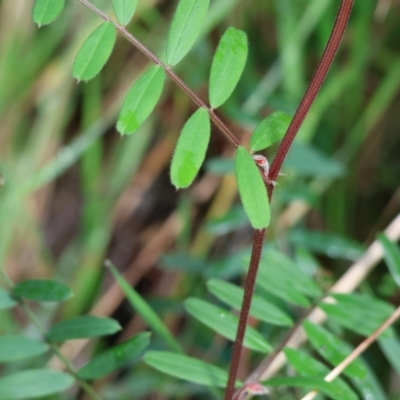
<point>320,73</point>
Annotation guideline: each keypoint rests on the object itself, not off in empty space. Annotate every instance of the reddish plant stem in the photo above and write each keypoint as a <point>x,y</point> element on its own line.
<point>301,112</point>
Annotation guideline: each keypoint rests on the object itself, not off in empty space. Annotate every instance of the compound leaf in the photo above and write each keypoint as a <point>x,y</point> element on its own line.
<point>252,189</point>
<point>42,290</point>
<point>191,149</point>
<point>185,28</point>
<point>270,130</point>
<point>46,11</point>
<point>34,383</point>
<point>140,100</point>
<point>83,327</point>
<point>124,10</point>
<point>94,52</point>
<point>227,65</point>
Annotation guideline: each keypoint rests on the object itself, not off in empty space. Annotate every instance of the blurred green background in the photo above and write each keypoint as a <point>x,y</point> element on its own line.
<point>73,192</point>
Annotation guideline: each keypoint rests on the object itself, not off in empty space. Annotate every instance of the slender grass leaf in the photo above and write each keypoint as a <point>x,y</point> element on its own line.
<point>140,100</point>
<point>34,383</point>
<point>147,313</point>
<point>270,130</point>
<point>308,366</point>
<point>115,358</point>
<point>220,166</point>
<point>185,28</point>
<point>124,10</point>
<point>252,189</point>
<point>46,11</point>
<point>360,313</point>
<point>187,368</point>
<point>392,256</point>
<point>333,349</point>
<point>331,389</point>
<point>83,327</point>
<point>94,52</point>
<point>14,347</point>
<point>260,308</point>
<point>224,323</point>
<point>6,300</point>
<point>232,220</point>
<point>191,149</point>
<point>227,66</point>
<point>43,290</point>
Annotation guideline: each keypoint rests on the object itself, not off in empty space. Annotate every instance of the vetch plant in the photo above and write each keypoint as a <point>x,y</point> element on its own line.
<point>278,277</point>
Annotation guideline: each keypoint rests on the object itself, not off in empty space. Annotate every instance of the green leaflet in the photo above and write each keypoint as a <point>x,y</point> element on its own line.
<point>83,327</point>
<point>252,189</point>
<point>94,52</point>
<point>140,100</point>
<point>43,290</point>
<point>124,10</point>
<point>34,383</point>
<point>16,347</point>
<point>270,130</point>
<point>227,66</point>
<point>260,308</point>
<point>308,366</point>
<point>46,11</point>
<point>332,389</point>
<point>6,300</point>
<point>224,323</point>
<point>187,368</point>
<point>191,149</point>
<point>361,313</point>
<point>392,257</point>
<point>185,28</point>
<point>115,358</point>
<point>333,349</point>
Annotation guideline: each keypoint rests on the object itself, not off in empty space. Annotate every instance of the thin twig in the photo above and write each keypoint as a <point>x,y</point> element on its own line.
<point>301,112</point>
<point>356,352</point>
<point>175,78</point>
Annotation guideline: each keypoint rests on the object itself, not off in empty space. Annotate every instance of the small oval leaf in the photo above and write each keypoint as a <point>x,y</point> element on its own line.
<point>191,149</point>
<point>224,323</point>
<point>185,28</point>
<point>252,189</point>
<point>115,358</point>
<point>140,100</point>
<point>34,383</point>
<point>124,10</point>
<point>6,300</point>
<point>187,368</point>
<point>42,290</point>
<point>83,327</point>
<point>14,348</point>
<point>94,52</point>
<point>270,130</point>
<point>392,257</point>
<point>227,66</point>
<point>46,11</point>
